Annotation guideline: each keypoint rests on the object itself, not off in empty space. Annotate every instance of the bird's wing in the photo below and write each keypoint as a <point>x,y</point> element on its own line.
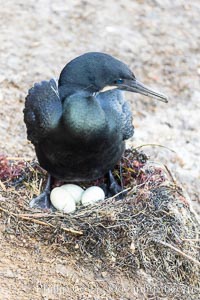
<point>127,119</point>
<point>114,101</point>
<point>43,110</point>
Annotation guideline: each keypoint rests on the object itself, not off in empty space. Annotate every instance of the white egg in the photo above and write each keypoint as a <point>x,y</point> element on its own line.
<point>92,195</point>
<point>70,207</point>
<point>62,200</point>
<point>75,190</point>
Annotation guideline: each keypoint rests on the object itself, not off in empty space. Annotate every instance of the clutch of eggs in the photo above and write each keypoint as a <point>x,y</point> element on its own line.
<point>67,196</point>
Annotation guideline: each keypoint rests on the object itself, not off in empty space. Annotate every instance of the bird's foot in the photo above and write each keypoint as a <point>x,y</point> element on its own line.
<point>113,188</point>
<point>42,201</point>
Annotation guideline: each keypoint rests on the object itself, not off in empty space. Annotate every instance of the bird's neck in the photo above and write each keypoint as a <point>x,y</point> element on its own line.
<point>66,91</point>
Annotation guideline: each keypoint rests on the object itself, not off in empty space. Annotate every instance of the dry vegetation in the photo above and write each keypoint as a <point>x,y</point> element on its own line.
<point>153,229</point>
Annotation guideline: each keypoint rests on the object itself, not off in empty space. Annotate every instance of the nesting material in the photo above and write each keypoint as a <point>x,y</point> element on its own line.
<point>153,229</point>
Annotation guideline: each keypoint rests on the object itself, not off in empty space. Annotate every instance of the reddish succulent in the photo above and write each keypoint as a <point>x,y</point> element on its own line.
<point>10,170</point>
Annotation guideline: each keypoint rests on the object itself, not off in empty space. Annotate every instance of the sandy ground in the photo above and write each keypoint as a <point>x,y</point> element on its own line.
<point>159,40</point>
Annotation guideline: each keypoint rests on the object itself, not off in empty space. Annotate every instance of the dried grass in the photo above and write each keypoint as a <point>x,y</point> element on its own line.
<point>152,229</point>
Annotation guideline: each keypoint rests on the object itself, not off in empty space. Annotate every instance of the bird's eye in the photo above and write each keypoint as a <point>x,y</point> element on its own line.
<point>119,81</point>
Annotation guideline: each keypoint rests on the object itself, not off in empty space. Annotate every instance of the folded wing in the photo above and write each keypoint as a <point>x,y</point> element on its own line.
<point>43,110</point>
<point>114,105</point>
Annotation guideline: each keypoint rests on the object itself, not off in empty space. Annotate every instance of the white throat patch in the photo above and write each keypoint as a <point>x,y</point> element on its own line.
<point>108,88</point>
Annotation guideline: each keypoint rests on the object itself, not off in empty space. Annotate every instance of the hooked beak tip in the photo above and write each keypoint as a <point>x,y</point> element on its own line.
<point>138,87</point>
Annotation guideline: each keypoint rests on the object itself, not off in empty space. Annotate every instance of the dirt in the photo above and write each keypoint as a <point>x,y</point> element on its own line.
<point>33,271</point>
<point>160,41</point>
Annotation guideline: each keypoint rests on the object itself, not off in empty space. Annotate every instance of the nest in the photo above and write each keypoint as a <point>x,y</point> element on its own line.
<point>152,229</point>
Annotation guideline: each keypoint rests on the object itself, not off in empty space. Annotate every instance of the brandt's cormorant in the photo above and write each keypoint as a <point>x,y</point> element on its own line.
<point>79,124</point>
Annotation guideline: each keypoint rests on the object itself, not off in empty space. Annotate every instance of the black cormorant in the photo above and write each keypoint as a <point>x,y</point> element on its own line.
<point>79,124</point>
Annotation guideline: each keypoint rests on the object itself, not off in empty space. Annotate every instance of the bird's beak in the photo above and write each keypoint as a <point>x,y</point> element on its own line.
<point>137,87</point>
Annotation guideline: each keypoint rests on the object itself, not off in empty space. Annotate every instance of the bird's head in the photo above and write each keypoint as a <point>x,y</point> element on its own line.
<point>96,72</point>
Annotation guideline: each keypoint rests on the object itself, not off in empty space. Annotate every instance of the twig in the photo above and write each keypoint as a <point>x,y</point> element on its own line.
<point>36,215</point>
<point>197,247</point>
<point>178,251</point>
<point>36,221</point>
<point>170,174</point>
<point>72,231</point>
<point>18,158</point>
<point>126,190</point>
<point>42,215</point>
<point>26,218</point>
<point>154,145</point>
<point>23,217</point>
<point>191,240</point>
<point>2,185</point>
